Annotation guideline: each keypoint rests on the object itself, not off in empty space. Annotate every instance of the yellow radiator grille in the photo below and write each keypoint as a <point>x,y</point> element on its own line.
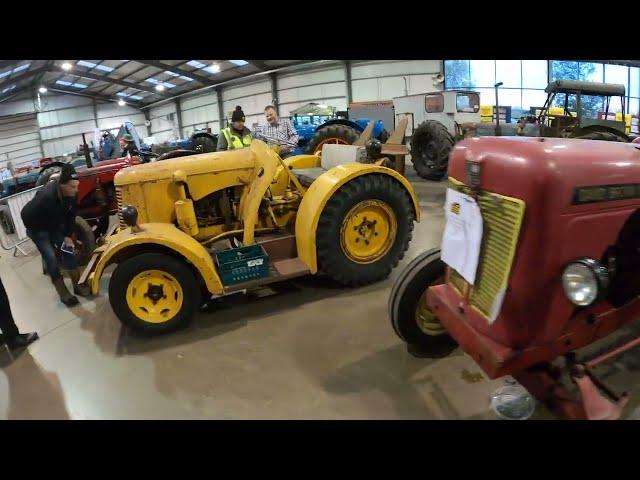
<point>119,199</point>
<point>502,218</point>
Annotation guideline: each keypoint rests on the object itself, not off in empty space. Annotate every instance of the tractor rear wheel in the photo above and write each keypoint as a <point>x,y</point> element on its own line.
<point>336,134</point>
<point>430,147</point>
<point>84,239</point>
<point>364,230</point>
<point>208,142</point>
<point>603,135</point>
<point>154,293</point>
<point>411,318</point>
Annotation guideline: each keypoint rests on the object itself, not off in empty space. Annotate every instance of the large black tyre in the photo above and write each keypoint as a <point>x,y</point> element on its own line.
<point>130,269</point>
<point>341,134</point>
<point>333,258</point>
<point>430,147</point>
<point>604,136</point>
<point>175,154</point>
<point>423,271</point>
<point>208,142</point>
<point>85,240</point>
<point>384,136</point>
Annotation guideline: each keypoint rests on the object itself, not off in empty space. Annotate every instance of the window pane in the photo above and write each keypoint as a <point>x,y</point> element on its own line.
<point>534,74</point>
<point>591,105</point>
<point>456,73</point>
<point>509,98</point>
<point>591,72</point>
<point>616,74</point>
<point>487,96</point>
<point>562,70</point>
<point>615,105</point>
<point>533,98</point>
<point>508,72</point>
<point>634,85</point>
<point>482,73</point>
<point>467,102</point>
<point>634,106</point>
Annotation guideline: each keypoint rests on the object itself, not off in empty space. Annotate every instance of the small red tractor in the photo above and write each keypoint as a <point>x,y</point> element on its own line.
<point>550,260</point>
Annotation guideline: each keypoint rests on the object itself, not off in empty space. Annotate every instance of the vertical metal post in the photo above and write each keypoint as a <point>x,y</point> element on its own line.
<point>274,91</point>
<point>95,111</point>
<point>347,81</point>
<point>221,124</point>
<point>179,116</point>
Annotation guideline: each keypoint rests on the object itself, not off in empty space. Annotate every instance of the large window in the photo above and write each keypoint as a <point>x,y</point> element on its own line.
<point>524,82</point>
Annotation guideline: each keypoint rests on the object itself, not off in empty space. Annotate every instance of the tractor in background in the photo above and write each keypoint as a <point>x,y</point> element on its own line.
<point>318,125</point>
<point>438,120</point>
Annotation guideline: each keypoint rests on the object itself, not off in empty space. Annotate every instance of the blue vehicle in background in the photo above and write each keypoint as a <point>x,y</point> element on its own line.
<point>318,125</point>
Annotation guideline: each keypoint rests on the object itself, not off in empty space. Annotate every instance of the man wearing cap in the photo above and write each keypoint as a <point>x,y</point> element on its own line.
<point>50,219</point>
<point>128,145</point>
<point>236,136</point>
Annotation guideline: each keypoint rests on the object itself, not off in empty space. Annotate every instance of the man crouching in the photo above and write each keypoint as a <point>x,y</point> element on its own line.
<point>50,218</point>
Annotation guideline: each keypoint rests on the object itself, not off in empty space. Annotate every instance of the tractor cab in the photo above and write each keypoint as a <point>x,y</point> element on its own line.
<point>572,109</point>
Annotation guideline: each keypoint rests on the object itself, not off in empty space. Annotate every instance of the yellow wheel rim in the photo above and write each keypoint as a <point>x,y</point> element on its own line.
<point>425,318</point>
<point>154,296</point>
<point>334,141</point>
<point>368,231</point>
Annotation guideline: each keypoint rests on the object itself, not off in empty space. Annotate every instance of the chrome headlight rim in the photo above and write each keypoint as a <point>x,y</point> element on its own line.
<point>600,276</point>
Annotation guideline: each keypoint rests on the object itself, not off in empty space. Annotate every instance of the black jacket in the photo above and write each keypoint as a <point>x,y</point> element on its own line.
<point>50,211</point>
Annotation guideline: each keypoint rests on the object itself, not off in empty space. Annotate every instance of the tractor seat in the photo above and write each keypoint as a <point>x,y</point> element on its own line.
<point>332,156</point>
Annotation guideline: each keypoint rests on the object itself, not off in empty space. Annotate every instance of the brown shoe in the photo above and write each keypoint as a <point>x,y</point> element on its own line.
<point>65,296</point>
<point>81,290</point>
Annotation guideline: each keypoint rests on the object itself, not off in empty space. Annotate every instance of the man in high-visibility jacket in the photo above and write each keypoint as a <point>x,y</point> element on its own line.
<point>235,136</point>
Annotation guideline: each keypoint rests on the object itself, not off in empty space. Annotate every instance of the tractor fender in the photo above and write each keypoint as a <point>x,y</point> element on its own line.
<point>125,243</point>
<point>341,121</point>
<point>319,193</point>
<point>600,128</point>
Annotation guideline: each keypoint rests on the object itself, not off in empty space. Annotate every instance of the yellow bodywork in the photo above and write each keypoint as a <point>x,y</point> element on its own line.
<point>319,194</point>
<point>165,235</point>
<point>266,197</point>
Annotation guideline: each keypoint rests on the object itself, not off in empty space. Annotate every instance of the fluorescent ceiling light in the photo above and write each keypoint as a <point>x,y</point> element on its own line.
<point>196,64</point>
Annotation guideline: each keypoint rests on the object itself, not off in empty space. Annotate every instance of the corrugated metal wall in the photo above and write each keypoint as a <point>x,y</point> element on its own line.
<point>19,139</point>
<point>63,118</point>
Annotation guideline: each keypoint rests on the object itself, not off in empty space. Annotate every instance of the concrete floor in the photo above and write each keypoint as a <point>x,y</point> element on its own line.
<point>306,349</point>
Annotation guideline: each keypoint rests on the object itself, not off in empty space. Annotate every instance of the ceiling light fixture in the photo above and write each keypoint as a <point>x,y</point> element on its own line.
<point>215,68</point>
<point>42,89</point>
<point>67,66</point>
<point>160,87</point>
<point>121,103</point>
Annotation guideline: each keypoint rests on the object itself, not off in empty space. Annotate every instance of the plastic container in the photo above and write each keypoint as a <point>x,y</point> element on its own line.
<point>513,402</point>
<point>242,264</point>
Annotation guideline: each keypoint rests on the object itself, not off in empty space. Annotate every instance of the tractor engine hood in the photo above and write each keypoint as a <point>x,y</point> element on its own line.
<point>205,163</point>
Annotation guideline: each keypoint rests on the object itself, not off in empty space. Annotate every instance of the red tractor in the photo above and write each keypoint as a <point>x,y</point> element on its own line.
<point>540,257</point>
<point>96,198</point>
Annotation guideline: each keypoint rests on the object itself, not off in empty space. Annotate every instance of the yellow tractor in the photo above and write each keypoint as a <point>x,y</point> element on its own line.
<point>213,224</point>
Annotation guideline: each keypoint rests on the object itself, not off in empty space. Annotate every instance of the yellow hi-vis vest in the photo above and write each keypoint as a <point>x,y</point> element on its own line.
<point>233,141</point>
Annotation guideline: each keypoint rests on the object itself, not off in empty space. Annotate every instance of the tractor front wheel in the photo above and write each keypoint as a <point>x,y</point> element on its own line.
<point>430,147</point>
<point>84,240</point>
<point>364,230</point>
<point>154,293</point>
<point>332,134</point>
<point>411,318</point>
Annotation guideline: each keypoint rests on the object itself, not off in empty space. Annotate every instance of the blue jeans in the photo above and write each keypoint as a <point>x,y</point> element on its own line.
<point>48,243</point>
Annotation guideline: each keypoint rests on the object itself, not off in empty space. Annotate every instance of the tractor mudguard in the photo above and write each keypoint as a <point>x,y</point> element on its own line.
<point>156,234</point>
<point>319,194</point>
<point>342,121</point>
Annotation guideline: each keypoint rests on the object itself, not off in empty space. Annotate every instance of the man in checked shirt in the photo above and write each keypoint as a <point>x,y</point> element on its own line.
<point>280,129</point>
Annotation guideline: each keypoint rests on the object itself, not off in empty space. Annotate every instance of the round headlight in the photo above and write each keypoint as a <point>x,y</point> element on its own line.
<point>584,281</point>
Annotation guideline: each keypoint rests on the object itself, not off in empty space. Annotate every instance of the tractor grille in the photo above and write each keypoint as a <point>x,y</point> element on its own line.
<point>502,218</point>
<point>119,199</point>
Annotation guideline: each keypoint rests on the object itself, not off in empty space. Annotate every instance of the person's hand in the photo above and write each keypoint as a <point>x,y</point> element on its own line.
<point>68,242</point>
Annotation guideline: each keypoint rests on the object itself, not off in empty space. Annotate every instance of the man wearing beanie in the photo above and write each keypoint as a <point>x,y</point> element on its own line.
<point>50,220</point>
<point>235,136</point>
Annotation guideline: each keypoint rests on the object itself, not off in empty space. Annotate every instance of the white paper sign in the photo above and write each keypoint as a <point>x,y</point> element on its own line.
<point>462,234</point>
